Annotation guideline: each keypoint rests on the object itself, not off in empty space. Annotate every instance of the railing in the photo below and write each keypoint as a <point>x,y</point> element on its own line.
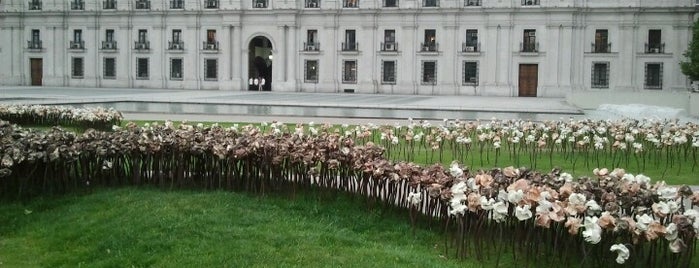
<point>176,4</point>
<point>529,47</point>
<point>175,45</point>
<point>35,5</point>
<point>109,4</point>
<point>350,3</point>
<point>311,46</point>
<point>211,3</point>
<point>354,46</point>
<point>430,3</point>
<point>259,3</point>
<point>390,3</point>
<point>77,5</point>
<point>210,45</point>
<point>530,2</point>
<point>472,3</point>
<point>312,4</point>
<point>655,48</point>
<point>142,4</point>
<point>470,47</point>
<point>142,45</point>
<point>109,45</point>
<point>34,44</point>
<point>429,47</point>
<point>389,46</point>
<point>77,44</point>
<point>601,47</point>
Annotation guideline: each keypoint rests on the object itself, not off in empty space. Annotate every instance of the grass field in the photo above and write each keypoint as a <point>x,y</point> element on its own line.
<point>146,227</point>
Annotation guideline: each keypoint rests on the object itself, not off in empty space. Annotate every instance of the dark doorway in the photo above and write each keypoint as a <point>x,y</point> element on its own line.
<point>528,80</point>
<point>260,64</point>
<point>37,71</point>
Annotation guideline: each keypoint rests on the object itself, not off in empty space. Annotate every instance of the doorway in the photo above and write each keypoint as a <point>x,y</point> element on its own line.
<point>37,71</point>
<point>260,64</point>
<point>528,79</point>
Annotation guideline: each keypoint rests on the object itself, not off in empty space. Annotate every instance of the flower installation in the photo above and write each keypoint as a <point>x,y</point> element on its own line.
<point>611,216</point>
<point>100,118</point>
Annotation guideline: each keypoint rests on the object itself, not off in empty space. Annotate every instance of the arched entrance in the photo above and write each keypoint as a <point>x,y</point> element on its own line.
<point>260,63</point>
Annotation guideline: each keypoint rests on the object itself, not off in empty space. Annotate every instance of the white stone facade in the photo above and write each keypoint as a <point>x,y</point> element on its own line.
<point>575,45</point>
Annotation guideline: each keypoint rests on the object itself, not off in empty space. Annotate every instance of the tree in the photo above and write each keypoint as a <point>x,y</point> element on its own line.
<point>690,68</point>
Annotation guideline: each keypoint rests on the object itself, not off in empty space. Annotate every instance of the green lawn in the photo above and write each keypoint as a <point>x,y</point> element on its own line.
<point>146,227</point>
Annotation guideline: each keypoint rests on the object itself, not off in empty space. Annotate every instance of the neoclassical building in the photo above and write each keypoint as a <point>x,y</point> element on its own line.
<point>545,48</point>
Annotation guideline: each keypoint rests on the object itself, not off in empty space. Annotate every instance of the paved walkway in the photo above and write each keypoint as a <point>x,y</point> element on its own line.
<point>161,102</point>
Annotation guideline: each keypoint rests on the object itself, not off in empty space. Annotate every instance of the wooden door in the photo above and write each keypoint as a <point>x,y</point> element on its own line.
<point>36,71</point>
<point>528,80</point>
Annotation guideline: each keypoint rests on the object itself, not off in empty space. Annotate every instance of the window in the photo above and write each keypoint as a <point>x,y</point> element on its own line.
<point>176,4</point>
<point>210,69</point>
<point>389,40</point>
<point>34,4</point>
<point>142,4</point>
<point>109,35</point>
<point>211,3</point>
<point>176,69</point>
<point>601,44</point>
<point>77,5</point>
<point>109,42</point>
<point>390,3</point>
<point>655,44</point>
<point>430,3</point>
<point>109,4</point>
<point>141,68</point>
<point>77,69</point>
<point>77,42</point>
<point>429,72</point>
<point>430,43</point>
<point>311,74</point>
<point>109,68</point>
<point>471,44</point>
<point>654,76</point>
<point>176,43</point>
<point>530,2</point>
<point>472,3</point>
<point>388,72</point>
<point>350,43</point>
<point>312,3</point>
<point>211,43</point>
<point>142,42</point>
<point>600,75</point>
<point>349,72</point>
<point>470,73</point>
<point>311,44</point>
<point>350,3</point>
<point>35,42</point>
<point>259,3</point>
<point>529,44</point>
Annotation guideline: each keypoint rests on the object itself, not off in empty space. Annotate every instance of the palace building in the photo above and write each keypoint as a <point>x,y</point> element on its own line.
<point>544,48</point>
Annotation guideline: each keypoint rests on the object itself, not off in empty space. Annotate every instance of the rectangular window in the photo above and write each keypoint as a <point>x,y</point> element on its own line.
<point>429,72</point>
<point>109,35</point>
<point>473,3</point>
<point>211,69</point>
<point>210,36</point>
<point>654,76</point>
<point>390,3</point>
<point>77,42</point>
<point>142,68</point>
<point>312,3</point>
<point>430,3</point>
<point>176,69</point>
<point>77,68</point>
<point>311,73</point>
<point>211,3</point>
<point>529,43</point>
<point>176,4</point>
<point>176,35</point>
<point>470,73</point>
<point>142,35</point>
<point>35,42</point>
<point>601,41</point>
<point>34,4</point>
<point>655,44</point>
<point>388,72</point>
<point>109,4</point>
<point>530,2</point>
<point>109,68</point>
<point>430,43</point>
<point>350,3</point>
<point>142,4</point>
<point>259,3</point>
<point>600,75</point>
<point>389,40</point>
<point>77,5</point>
<point>349,72</point>
<point>471,44</point>
<point>311,41</point>
<point>350,43</point>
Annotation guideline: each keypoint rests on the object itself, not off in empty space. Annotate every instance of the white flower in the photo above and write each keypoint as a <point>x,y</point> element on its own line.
<point>642,179</point>
<point>576,199</point>
<point>565,177</point>
<point>593,207</point>
<point>415,198</point>
<point>455,171</point>
<point>459,188</point>
<point>487,203</point>
<point>622,253</point>
<point>671,231</point>
<point>667,193</point>
<point>628,177</point>
<point>106,165</point>
<point>643,221</point>
<point>593,232</point>
<point>394,140</point>
<point>499,211</point>
<point>515,196</point>
<point>496,145</point>
<point>471,183</point>
<point>523,213</point>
